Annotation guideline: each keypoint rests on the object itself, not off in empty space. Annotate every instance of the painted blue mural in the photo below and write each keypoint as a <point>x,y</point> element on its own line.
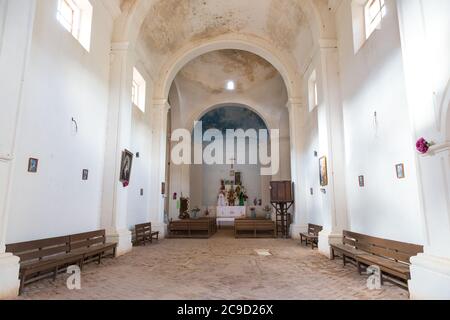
<point>232,117</point>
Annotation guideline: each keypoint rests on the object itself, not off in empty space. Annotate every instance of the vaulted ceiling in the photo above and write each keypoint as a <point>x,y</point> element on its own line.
<point>171,25</point>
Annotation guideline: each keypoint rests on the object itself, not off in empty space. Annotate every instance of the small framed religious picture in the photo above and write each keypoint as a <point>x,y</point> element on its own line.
<point>361,181</point>
<point>237,178</point>
<point>400,168</point>
<point>85,175</point>
<point>125,166</point>
<point>33,165</point>
<point>323,172</point>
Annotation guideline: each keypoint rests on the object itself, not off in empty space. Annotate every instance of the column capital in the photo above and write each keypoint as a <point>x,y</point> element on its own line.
<point>120,46</point>
<point>325,43</point>
<point>295,103</point>
<point>438,148</point>
<point>161,105</point>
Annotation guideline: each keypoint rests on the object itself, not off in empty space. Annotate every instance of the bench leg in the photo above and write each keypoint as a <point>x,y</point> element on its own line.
<point>332,253</point>
<point>359,267</point>
<point>22,284</point>
<point>55,274</point>
<point>344,260</point>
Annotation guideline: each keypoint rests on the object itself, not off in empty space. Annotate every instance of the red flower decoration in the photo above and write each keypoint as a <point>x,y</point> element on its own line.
<point>126,184</point>
<point>423,145</point>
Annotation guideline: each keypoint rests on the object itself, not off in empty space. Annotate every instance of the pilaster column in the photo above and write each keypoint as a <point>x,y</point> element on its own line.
<point>16,31</point>
<point>331,139</point>
<point>115,196</point>
<point>430,271</point>
<point>159,117</point>
<point>296,109</point>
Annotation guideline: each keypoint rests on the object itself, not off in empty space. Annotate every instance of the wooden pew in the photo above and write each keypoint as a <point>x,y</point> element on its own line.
<point>144,233</point>
<point>41,259</point>
<point>348,249</point>
<point>92,245</point>
<point>254,228</point>
<point>312,236</point>
<point>393,257</point>
<point>192,228</point>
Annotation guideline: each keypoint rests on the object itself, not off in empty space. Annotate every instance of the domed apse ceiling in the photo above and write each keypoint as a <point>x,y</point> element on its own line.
<point>202,83</point>
<point>213,70</point>
<point>232,117</point>
<point>172,24</point>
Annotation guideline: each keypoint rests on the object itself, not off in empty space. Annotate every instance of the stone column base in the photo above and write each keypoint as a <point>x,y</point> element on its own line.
<point>296,229</point>
<point>430,278</point>
<point>327,237</point>
<point>9,276</point>
<point>123,240</point>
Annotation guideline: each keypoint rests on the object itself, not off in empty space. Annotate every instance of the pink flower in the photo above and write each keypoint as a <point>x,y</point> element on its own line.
<point>423,145</point>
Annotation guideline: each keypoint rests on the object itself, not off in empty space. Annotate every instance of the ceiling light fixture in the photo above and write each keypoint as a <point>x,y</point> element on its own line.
<point>231,85</point>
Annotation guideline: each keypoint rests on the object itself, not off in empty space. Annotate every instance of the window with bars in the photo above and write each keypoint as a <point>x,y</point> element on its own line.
<point>138,90</point>
<point>76,17</point>
<point>374,12</point>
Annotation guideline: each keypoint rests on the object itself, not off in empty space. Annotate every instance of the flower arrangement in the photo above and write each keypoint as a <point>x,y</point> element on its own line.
<point>423,145</point>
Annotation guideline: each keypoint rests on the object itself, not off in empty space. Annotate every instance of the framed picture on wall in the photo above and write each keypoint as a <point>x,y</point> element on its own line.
<point>85,175</point>
<point>237,179</point>
<point>400,169</point>
<point>126,165</point>
<point>323,171</point>
<point>361,181</point>
<point>33,165</point>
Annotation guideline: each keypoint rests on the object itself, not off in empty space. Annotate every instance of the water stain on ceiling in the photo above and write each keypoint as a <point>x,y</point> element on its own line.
<point>170,24</point>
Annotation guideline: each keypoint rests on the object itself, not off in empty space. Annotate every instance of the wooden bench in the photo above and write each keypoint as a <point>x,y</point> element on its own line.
<point>92,245</point>
<point>254,228</point>
<point>348,249</point>
<point>144,233</point>
<point>41,259</point>
<point>44,258</point>
<point>312,236</point>
<point>192,228</point>
<point>392,257</point>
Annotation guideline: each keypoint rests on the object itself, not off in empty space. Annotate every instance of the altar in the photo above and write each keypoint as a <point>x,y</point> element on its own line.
<point>227,214</point>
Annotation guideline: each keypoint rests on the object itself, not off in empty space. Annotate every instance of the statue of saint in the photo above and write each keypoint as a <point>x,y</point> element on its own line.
<point>221,201</point>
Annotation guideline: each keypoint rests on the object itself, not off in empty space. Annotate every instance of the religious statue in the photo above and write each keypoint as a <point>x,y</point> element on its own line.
<point>231,197</point>
<point>221,202</point>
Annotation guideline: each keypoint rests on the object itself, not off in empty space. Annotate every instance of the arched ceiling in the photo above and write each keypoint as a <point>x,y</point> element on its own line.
<point>213,70</point>
<point>201,83</point>
<point>169,26</point>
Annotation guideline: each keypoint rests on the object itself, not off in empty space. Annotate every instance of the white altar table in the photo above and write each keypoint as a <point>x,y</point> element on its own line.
<point>229,214</point>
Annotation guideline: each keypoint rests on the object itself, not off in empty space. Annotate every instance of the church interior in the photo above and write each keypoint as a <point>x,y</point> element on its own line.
<point>225,150</point>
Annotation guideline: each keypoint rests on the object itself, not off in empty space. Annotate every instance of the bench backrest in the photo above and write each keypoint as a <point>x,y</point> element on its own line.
<point>87,239</point>
<point>254,223</point>
<point>39,249</point>
<point>394,250</point>
<point>192,224</point>
<point>143,228</point>
<point>314,229</point>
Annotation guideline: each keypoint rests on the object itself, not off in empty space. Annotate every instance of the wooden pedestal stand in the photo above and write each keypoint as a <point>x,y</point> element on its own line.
<point>283,217</point>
